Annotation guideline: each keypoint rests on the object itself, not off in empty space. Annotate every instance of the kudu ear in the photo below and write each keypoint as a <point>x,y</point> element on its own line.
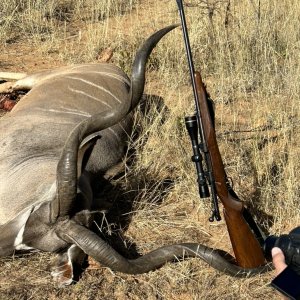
<point>85,150</point>
<point>11,234</point>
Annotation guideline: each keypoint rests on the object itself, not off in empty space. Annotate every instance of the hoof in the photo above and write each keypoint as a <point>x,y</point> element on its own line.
<point>62,270</point>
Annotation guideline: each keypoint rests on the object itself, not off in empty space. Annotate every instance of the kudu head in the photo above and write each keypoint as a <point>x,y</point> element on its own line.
<point>67,172</point>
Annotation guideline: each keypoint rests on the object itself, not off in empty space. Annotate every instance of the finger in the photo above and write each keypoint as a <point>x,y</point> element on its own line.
<point>278,260</point>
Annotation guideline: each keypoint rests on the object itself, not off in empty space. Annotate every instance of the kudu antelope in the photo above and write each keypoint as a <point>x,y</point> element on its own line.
<point>46,197</point>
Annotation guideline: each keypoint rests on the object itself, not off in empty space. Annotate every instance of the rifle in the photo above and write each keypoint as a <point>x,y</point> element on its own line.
<point>245,235</point>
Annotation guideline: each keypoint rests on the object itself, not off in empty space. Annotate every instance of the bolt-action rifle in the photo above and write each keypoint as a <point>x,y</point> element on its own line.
<point>246,237</point>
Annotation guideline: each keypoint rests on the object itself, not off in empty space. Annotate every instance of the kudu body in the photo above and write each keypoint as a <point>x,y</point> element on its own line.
<point>46,196</point>
<point>42,148</point>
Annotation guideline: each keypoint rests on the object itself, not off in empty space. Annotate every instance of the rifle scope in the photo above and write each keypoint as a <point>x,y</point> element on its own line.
<point>192,128</point>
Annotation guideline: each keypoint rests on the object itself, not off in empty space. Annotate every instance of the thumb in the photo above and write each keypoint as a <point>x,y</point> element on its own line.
<point>278,260</point>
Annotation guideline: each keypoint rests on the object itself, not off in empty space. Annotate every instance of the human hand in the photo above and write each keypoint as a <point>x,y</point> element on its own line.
<point>278,260</point>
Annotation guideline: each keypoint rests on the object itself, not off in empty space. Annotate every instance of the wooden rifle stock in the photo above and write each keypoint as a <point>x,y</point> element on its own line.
<point>246,247</point>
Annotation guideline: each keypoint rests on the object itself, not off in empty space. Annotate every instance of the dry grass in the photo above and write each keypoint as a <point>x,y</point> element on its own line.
<point>249,56</point>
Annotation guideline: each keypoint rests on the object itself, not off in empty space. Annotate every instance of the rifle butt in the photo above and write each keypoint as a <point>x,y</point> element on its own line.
<point>247,250</point>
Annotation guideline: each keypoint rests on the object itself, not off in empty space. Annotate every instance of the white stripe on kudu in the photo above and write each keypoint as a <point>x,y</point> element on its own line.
<point>89,96</point>
<point>95,85</point>
<point>114,76</point>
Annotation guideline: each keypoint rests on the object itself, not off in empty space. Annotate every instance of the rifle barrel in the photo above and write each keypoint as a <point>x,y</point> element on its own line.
<point>191,70</point>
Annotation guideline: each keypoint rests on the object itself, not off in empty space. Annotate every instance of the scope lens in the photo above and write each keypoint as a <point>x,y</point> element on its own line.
<point>204,191</point>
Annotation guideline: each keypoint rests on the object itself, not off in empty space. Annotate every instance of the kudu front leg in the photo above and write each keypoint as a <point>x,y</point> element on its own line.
<point>67,266</point>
